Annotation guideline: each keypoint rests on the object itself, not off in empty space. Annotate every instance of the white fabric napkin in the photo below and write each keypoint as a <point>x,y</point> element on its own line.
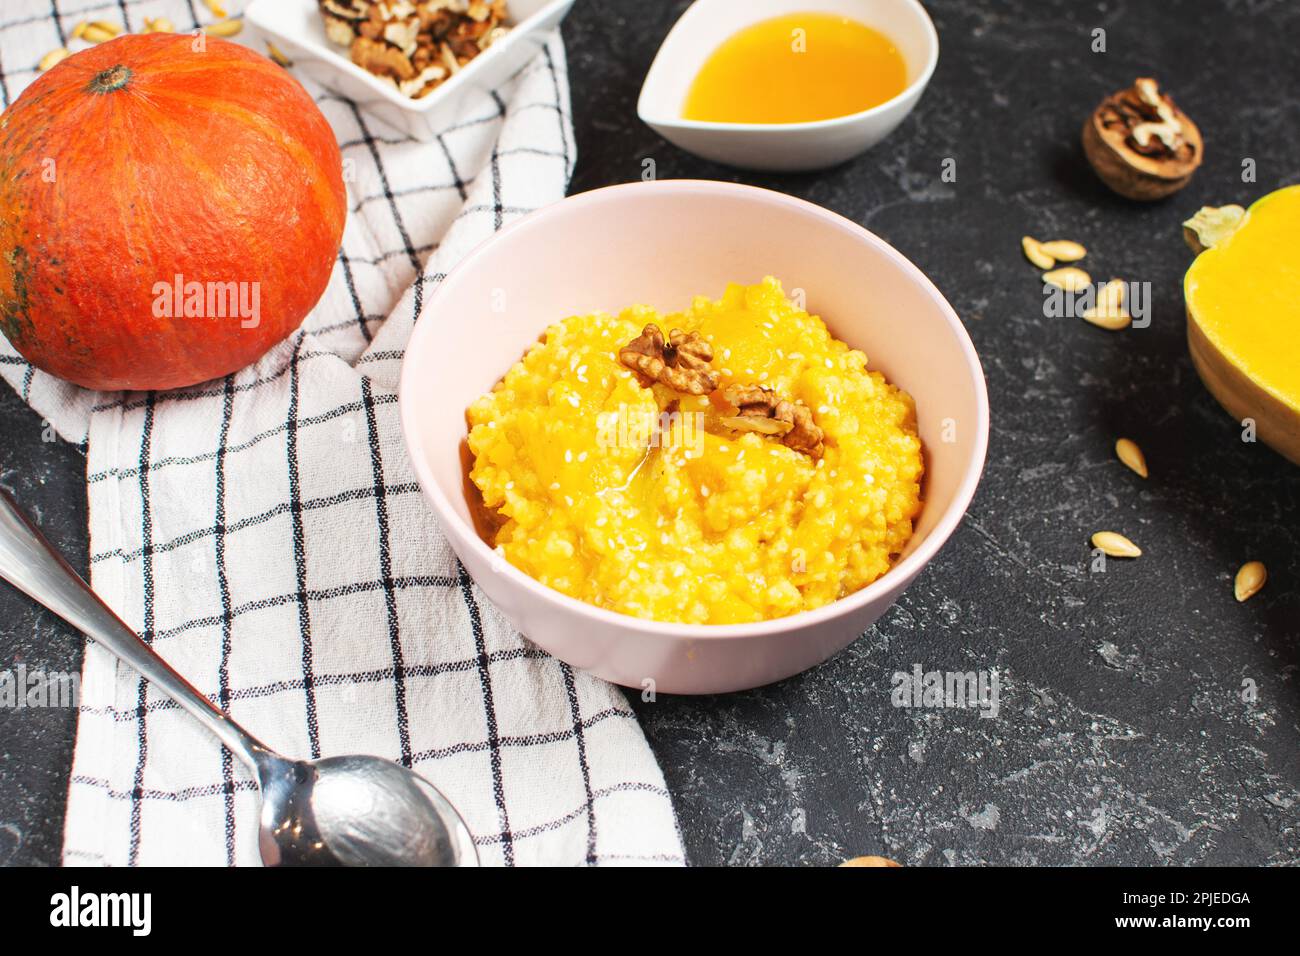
<point>266,534</point>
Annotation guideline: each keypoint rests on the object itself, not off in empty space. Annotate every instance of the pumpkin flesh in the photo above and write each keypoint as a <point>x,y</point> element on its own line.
<point>1243,306</point>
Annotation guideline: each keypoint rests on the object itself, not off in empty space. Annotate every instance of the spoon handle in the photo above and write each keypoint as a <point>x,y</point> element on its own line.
<point>29,562</point>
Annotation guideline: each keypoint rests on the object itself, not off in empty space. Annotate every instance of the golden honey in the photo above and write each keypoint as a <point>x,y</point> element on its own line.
<point>798,68</point>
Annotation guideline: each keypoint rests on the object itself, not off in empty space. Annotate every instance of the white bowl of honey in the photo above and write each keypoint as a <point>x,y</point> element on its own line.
<point>788,85</point>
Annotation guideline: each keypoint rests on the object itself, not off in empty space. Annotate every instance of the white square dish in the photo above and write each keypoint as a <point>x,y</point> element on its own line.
<point>296,28</point>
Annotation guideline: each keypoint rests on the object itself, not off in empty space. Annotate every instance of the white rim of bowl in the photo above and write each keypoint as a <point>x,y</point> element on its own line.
<point>904,569</point>
<point>677,122</point>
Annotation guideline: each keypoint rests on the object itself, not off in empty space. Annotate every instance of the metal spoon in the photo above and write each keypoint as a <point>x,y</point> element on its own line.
<point>337,811</point>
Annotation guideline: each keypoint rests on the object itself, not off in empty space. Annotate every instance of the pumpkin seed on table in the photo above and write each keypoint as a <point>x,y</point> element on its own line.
<point>78,30</point>
<point>1110,321</point>
<point>224,28</point>
<point>870,861</point>
<point>1034,253</point>
<point>1111,296</point>
<point>158,25</point>
<point>1109,312</point>
<point>1064,250</point>
<point>53,58</point>
<point>1127,451</point>
<point>1115,545</point>
<point>1071,279</point>
<point>108,26</point>
<point>215,6</point>
<point>1251,576</point>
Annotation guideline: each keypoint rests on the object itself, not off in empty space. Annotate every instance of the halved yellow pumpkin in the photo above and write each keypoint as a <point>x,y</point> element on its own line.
<point>1243,313</point>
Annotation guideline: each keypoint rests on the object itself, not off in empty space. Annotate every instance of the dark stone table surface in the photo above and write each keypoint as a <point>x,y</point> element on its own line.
<point>1145,716</point>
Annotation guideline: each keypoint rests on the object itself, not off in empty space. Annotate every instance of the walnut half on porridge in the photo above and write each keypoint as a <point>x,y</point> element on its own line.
<point>762,410</point>
<point>416,45</point>
<point>681,363</point>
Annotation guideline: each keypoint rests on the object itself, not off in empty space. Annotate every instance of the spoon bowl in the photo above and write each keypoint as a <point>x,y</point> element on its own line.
<point>356,811</point>
<point>336,811</point>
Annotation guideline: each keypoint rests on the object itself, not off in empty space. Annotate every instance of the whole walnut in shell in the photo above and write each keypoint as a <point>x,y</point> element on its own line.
<point>1141,144</point>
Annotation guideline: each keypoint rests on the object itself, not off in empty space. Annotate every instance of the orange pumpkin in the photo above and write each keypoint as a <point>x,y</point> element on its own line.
<point>170,208</point>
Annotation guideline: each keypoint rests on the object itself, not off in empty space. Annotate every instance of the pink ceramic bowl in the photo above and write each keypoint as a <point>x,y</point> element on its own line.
<point>662,243</point>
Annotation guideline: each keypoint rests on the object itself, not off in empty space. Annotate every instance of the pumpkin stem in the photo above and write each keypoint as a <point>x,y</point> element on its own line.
<point>1211,226</point>
<point>110,80</point>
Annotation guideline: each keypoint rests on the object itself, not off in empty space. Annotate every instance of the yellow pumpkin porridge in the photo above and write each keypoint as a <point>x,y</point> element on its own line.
<point>727,464</point>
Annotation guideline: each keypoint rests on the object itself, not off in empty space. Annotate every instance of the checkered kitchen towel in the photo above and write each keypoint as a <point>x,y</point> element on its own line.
<point>266,534</point>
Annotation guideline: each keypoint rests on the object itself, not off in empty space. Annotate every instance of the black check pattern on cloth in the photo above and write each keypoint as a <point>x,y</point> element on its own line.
<point>266,533</point>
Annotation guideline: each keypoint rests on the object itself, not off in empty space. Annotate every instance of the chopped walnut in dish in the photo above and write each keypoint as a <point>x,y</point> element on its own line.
<point>414,44</point>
